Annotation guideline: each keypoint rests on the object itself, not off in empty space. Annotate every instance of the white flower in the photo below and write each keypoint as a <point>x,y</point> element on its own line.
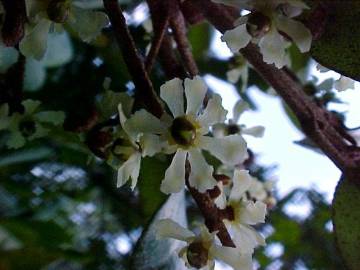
<point>201,250</point>
<point>184,133</point>
<point>43,18</point>
<point>136,148</point>
<point>30,125</point>
<point>263,26</point>
<point>232,127</point>
<point>245,213</point>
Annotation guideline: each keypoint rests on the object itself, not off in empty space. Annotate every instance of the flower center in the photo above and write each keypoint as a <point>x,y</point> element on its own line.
<point>233,129</point>
<point>58,10</point>
<point>258,24</point>
<point>27,128</point>
<point>197,255</point>
<point>183,131</point>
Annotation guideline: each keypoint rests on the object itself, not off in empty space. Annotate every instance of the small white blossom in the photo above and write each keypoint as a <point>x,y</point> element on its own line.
<point>185,134</point>
<point>232,127</point>
<point>136,147</point>
<point>263,26</point>
<point>201,250</point>
<point>245,212</point>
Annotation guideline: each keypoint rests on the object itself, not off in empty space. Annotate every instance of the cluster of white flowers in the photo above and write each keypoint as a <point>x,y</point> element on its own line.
<point>191,128</point>
<point>269,24</point>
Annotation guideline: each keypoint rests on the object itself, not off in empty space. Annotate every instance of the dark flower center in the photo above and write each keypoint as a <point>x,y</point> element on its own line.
<point>183,131</point>
<point>197,255</point>
<point>258,24</point>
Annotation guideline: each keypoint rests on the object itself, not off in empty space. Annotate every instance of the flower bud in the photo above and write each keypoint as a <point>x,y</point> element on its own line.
<point>183,131</point>
<point>197,255</point>
<point>58,10</point>
<point>258,24</point>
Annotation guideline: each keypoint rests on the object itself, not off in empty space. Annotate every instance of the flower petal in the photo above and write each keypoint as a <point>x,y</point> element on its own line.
<point>240,107</point>
<point>34,43</point>
<point>167,228</point>
<point>272,47</point>
<point>297,31</point>
<point>213,113</point>
<point>174,179</point>
<point>143,122</point>
<point>150,144</point>
<point>201,173</point>
<point>257,131</point>
<point>16,140</point>
<point>232,257</point>
<point>230,150</point>
<point>195,91</point>
<point>129,169</point>
<point>236,38</point>
<point>241,183</point>
<point>172,92</point>
<point>245,237</point>
<point>253,213</point>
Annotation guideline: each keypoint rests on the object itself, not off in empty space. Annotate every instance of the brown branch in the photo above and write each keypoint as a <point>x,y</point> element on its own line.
<point>160,28</point>
<point>314,120</point>
<point>167,58</point>
<point>15,18</point>
<point>178,26</point>
<point>145,93</point>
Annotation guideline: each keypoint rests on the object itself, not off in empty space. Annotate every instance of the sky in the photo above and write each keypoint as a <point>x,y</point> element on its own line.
<point>296,165</point>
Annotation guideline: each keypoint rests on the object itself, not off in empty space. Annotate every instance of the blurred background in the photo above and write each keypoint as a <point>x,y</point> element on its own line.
<point>59,205</point>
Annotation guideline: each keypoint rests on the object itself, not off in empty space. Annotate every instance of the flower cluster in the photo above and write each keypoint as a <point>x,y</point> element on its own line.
<point>269,24</point>
<point>195,123</point>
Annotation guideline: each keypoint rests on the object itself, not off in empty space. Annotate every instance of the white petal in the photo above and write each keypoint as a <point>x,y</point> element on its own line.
<point>195,91</point>
<point>253,213</point>
<point>174,179</point>
<point>241,183</point>
<point>150,144</point>
<point>230,150</point>
<point>201,173</point>
<point>167,228</point>
<point>257,131</point>
<point>344,83</point>
<point>34,43</point>
<point>122,115</point>
<point>143,122</point>
<point>240,107</point>
<point>297,31</point>
<point>233,75</point>
<point>236,38</point>
<point>172,92</point>
<point>232,257</point>
<point>246,238</point>
<point>221,200</point>
<point>129,169</point>
<point>213,113</point>
<point>272,47</point>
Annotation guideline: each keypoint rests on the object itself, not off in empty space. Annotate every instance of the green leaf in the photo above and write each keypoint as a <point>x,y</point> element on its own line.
<point>26,155</point>
<point>53,117</point>
<point>108,104</point>
<point>346,219</point>
<point>151,174</point>
<point>59,50</point>
<point>199,36</point>
<point>338,48</point>
<point>151,253</point>
<point>36,233</point>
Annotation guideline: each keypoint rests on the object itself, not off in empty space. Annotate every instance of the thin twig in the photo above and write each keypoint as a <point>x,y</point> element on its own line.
<point>144,90</point>
<point>178,26</point>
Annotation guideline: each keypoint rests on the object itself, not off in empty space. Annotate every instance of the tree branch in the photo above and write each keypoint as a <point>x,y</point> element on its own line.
<point>315,121</point>
<point>178,26</point>
<point>145,93</point>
